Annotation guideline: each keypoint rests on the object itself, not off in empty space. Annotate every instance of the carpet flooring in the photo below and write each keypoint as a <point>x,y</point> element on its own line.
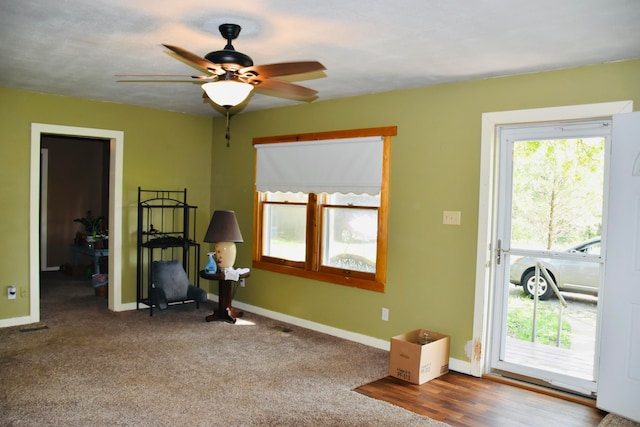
<point>612,420</point>
<point>84,365</point>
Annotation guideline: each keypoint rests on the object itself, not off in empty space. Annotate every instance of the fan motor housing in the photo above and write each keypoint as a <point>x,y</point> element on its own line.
<point>227,56</point>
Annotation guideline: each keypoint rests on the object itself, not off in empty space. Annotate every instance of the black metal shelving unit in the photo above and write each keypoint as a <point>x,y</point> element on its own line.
<point>166,230</point>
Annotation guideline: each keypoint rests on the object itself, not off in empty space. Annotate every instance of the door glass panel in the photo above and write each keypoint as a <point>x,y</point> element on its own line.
<point>551,208</point>
<point>552,332</point>
<point>557,192</point>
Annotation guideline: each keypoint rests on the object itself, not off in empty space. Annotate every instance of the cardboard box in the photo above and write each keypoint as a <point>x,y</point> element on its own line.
<point>417,363</point>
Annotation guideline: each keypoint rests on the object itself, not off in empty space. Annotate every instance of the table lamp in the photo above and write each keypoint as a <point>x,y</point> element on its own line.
<point>224,232</point>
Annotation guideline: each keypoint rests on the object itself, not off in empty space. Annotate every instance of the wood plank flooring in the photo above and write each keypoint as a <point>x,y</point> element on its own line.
<point>466,401</point>
<point>577,364</point>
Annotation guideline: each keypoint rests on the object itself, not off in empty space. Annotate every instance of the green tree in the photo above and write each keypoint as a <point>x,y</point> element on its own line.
<point>557,191</point>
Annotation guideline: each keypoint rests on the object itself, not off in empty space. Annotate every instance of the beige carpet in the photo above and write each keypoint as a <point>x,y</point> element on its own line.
<point>85,366</point>
<point>612,420</point>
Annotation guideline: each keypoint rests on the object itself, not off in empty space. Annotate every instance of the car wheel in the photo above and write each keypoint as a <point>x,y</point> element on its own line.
<point>529,285</point>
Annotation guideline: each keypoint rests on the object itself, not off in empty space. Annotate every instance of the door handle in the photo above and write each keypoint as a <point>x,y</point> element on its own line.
<point>500,252</point>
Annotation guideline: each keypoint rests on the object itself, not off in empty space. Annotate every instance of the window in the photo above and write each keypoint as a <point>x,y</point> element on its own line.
<point>284,222</point>
<point>321,206</point>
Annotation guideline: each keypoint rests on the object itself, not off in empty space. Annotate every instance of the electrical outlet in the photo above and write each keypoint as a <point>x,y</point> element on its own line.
<point>385,314</point>
<point>11,292</point>
<point>451,217</point>
<point>242,283</point>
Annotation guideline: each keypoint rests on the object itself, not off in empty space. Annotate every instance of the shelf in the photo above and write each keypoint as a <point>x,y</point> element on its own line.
<point>166,231</point>
<point>167,242</point>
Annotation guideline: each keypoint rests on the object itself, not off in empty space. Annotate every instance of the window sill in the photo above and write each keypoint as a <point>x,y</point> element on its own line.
<point>371,285</point>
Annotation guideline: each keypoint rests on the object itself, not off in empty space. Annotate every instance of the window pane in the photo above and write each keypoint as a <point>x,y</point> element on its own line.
<point>284,231</point>
<point>349,238</point>
<point>286,197</point>
<point>353,199</point>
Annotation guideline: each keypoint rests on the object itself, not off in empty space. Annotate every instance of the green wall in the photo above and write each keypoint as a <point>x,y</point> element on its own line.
<point>435,166</point>
<point>162,150</point>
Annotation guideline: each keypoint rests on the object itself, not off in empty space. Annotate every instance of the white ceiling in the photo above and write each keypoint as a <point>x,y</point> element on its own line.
<point>75,47</point>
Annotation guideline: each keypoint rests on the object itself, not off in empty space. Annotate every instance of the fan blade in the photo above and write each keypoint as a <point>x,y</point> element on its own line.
<point>299,92</point>
<point>282,69</point>
<point>192,57</point>
<point>167,75</point>
<point>157,81</point>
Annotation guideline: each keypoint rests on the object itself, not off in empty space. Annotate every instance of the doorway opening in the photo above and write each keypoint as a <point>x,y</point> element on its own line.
<point>115,160</point>
<point>489,246</point>
<point>75,185</point>
<point>549,264</point>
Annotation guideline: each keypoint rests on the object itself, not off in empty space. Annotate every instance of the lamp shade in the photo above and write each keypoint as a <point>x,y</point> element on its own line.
<point>227,93</point>
<point>223,228</point>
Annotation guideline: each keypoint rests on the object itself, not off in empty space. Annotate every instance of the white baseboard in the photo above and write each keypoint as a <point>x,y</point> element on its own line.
<point>460,366</point>
<point>128,306</point>
<point>340,333</point>
<point>16,321</point>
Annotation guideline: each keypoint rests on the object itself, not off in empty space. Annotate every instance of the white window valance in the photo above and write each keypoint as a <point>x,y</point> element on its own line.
<point>351,165</point>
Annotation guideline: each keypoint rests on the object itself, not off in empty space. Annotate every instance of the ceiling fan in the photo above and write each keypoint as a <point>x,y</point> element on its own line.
<point>230,76</point>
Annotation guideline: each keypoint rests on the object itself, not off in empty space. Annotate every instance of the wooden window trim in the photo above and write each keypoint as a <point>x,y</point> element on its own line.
<point>312,269</point>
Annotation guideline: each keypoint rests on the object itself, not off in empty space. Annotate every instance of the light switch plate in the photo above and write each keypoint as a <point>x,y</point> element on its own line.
<point>451,217</point>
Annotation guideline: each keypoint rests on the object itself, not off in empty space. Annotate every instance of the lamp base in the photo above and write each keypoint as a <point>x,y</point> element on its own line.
<point>224,254</point>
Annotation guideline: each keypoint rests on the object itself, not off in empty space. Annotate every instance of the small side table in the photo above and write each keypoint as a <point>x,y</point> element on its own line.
<point>224,312</point>
<point>89,251</point>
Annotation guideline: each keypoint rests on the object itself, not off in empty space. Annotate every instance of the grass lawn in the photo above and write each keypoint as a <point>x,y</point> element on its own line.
<point>520,322</point>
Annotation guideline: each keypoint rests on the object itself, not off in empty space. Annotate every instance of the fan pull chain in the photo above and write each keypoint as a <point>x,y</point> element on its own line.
<point>228,134</point>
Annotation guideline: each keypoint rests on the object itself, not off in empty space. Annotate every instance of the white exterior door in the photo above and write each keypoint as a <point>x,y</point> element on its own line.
<point>619,380</point>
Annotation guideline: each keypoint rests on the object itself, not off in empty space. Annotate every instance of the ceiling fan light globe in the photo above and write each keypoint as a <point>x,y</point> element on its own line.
<point>227,93</point>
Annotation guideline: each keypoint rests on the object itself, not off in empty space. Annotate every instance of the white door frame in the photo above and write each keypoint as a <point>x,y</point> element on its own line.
<point>44,201</point>
<point>116,149</point>
<point>478,348</point>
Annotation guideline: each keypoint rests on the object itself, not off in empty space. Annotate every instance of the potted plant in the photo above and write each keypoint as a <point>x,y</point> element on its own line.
<point>92,226</point>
